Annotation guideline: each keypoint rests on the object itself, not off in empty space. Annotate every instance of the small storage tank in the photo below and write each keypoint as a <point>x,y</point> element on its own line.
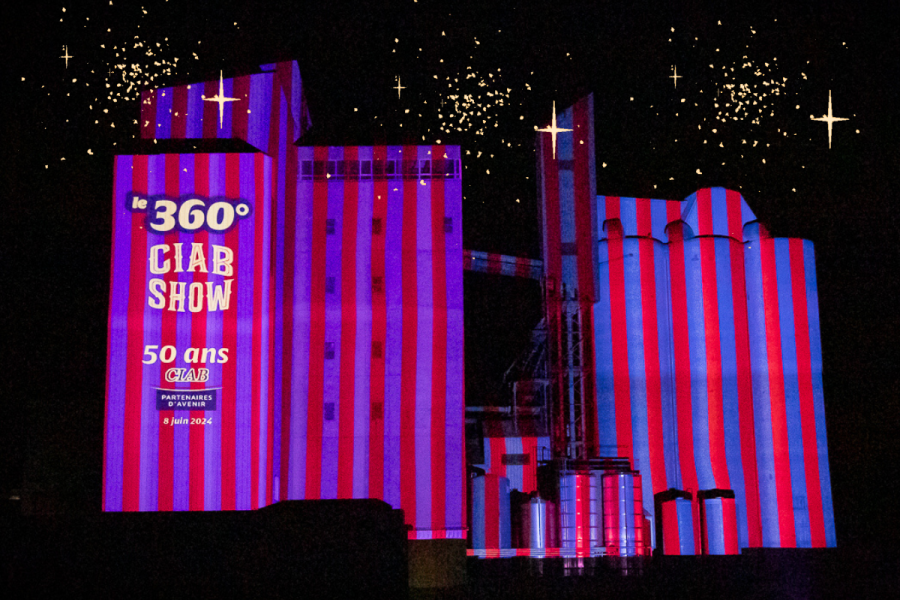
<point>718,522</point>
<point>674,522</point>
<point>579,521</point>
<point>537,525</point>
<point>623,514</point>
<point>491,527</point>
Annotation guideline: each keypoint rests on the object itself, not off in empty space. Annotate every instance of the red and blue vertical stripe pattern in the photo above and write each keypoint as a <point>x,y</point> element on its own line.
<point>521,469</point>
<point>623,514</point>
<point>491,518</point>
<point>374,331</point>
<point>169,305</point>
<point>566,193</point>
<point>270,113</point>
<point>709,361</point>
<point>186,111</point>
<point>501,264</point>
<point>719,526</point>
<point>677,527</point>
<point>785,352</point>
<point>579,513</point>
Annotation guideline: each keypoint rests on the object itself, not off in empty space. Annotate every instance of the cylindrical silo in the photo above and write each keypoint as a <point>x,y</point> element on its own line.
<point>578,518</point>
<point>718,522</point>
<point>622,514</point>
<point>491,528</point>
<point>535,522</point>
<point>674,522</point>
<point>789,411</point>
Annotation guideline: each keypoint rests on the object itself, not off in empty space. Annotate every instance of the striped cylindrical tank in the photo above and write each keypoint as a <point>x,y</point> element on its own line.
<point>491,525</point>
<point>675,522</point>
<point>786,357</point>
<point>718,522</point>
<point>640,541</point>
<point>579,520</point>
<point>709,361</point>
<point>623,520</point>
<point>712,371</point>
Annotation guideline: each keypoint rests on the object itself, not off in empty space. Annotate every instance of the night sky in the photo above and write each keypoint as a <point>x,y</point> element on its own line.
<point>481,75</point>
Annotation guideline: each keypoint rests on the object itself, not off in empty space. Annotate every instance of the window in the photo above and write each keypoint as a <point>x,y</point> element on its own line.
<point>377,411</point>
<point>376,350</point>
<point>329,285</point>
<point>410,168</point>
<point>516,459</point>
<point>329,350</point>
<point>329,411</point>
<point>378,285</point>
<point>329,226</point>
<point>448,225</point>
<point>376,226</point>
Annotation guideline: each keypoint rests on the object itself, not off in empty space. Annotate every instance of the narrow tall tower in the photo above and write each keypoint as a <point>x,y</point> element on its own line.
<point>567,189</point>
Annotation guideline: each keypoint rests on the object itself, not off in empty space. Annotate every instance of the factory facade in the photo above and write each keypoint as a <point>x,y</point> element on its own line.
<point>287,324</point>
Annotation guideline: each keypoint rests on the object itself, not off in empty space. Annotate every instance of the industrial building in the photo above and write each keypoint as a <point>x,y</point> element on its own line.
<point>672,398</point>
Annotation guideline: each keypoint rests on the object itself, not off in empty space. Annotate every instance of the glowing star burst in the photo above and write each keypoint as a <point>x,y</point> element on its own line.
<point>553,129</point>
<point>221,99</point>
<point>675,76</point>
<point>829,118</point>
<point>66,55</point>
<point>399,87</point>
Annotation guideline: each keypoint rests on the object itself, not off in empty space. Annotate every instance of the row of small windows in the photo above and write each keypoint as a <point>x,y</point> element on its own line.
<point>330,226</point>
<point>380,169</point>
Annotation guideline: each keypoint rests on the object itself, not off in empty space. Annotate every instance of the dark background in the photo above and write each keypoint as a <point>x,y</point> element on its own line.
<point>56,213</point>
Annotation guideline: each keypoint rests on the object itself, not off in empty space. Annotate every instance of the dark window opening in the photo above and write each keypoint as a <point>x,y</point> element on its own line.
<point>516,459</point>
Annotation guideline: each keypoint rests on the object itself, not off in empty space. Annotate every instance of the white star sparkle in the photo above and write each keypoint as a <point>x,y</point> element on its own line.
<point>221,99</point>
<point>553,129</point>
<point>399,87</point>
<point>829,118</point>
<point>675,76</point>
<point>66,55</point>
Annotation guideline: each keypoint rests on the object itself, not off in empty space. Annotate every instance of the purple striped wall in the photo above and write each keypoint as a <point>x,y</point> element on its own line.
<point>149,463</point>
<point>335,443</point>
